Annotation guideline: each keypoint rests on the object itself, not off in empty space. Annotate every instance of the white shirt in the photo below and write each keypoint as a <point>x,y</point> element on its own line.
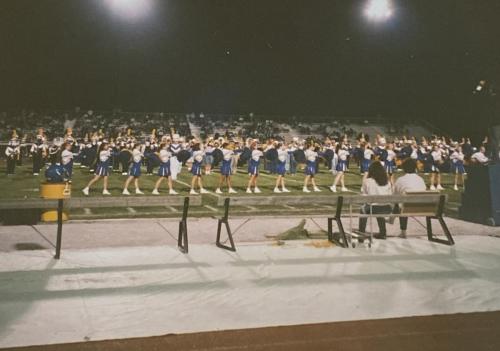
<point>198,156</point>
<point>104,155</point>
<point>136,155</point>
<point>390,155</point>
<point>66,156</point>
<point>164,155</point>
<point>256,155</point>
<point>409,182</point>
<point>457,156</point>
<point>436,155</point>
<point>227,154</point>
<point>368,154</point>
<point>282,155</point>
<point>311,155</point>
<point>480,157</point>
<point>343,154</point>
<point>370,187</point>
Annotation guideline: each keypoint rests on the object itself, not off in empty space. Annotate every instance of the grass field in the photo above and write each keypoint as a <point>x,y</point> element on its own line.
<point>24,185</point>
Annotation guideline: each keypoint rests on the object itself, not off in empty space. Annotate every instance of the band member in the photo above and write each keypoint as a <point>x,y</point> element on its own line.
<point>253,168</point>
<point>480,156</point>
<point>102,169</point>
<point>281,169</point>
<point>39,152</point>
<point>134,171</point>
<point>67,158</point>
<point>164,170</point>
<point>12,152</point>
<point>310,170</point>
<point>225,169</point>
<point>343,154</point>
<point>196,170</point>
<point>437,161</point>
<point>457,166</point>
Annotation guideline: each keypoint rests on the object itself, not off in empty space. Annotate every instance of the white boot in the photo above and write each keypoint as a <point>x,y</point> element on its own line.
<point>218,191</point>
<point>304,189</point>
<point>172,192</point>
<point>125,192</point>
<point>276,190</point>
<point>432,188</point>
<point>455,187</point>
<point>138,191</point>
<point>106,192</point>
<point>316,189</point>
<point>204,191</point>
<point>232,191</point>
<point>257,190</point>
<point>333,188</point>
<point>85,191</point>
<point>249,191</point>
<point>155,192</point>
<point>285,190</point>
<point>439,187</point>
<point>344,189</point>
<point>193,192</point>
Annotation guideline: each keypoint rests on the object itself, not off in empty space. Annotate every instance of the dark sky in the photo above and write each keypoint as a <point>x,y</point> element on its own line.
<point>282,57</point>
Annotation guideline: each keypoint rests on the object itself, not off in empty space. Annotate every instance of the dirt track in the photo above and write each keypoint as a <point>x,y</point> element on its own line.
<point>472,331</point>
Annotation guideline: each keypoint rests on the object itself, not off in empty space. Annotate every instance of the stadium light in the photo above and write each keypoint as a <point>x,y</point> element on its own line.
<point>131,10</point>
<point>378,10</point>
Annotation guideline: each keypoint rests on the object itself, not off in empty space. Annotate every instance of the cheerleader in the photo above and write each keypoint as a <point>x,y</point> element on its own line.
<point>196,170</point>
<point>390,162</point>
<point>102,169</point>
<point>209,158</point>
<point>367,158</point>
<point>164,170</point>
<point>67,159</point>
<point>457,166</point>
<point>253,168</point>
<point>226,169</point>
<point>281,169</point>
<point>437,160</point>
<point>341,168</point>
<point>310,170</point>
<point>134,171</point>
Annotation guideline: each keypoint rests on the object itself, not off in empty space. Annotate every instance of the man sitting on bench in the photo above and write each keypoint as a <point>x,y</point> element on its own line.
<point>409,182</point>
<point>376,182</point>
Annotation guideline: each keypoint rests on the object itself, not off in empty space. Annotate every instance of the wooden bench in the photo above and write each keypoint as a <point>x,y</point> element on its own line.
<point>100,202</point>
<point>423,204</point>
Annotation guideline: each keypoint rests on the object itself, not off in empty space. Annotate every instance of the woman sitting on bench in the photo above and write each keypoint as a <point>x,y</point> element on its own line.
<point>376,182</point>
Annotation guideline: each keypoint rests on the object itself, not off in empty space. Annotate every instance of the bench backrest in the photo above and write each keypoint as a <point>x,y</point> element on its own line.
<point>280,200</point>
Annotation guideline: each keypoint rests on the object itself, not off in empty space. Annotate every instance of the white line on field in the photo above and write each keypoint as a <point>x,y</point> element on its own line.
<point>251,208</point>
<point>189,186</point>
<point>172,209</point>
<point>131,210</point>
<point>210,208</point>
<point>290,207</point>
<point>87,211</point>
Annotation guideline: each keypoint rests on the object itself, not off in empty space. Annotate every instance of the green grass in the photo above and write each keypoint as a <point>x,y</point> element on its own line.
<point>24,185</point>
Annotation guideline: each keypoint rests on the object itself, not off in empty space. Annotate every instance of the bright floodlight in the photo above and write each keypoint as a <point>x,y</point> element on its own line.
<point>131,9</point>
<point>378,10</point>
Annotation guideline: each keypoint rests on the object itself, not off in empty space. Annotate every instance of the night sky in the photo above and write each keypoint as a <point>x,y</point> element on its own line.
<point>277,57</point>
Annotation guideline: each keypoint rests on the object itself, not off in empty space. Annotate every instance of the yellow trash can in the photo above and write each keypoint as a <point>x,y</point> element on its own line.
<point>54,191</point>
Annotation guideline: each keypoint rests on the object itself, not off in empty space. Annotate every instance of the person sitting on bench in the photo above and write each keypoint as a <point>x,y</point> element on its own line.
<point>409,182</point>
<point>375,182</point>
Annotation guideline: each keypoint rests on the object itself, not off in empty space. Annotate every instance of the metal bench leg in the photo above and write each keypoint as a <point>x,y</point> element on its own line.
<point>182,238</point>
<point>59,229</point>
<point>342,240</point>
<point>439,216</point>
<point>229,235</point>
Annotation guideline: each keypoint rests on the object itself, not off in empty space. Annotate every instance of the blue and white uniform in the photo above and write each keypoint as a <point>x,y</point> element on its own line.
<point>197,163</point>
<point>281,165</point>
<point>164,170</point>
<point>342,162</point>
<point>227,158</point>
<point>367,160</point>
<point>102,168</point>
<point>390,162</point>
<point>437,158</point>
<point>135,167</point>
<point>67,161</point>
<point>253,164</point>
<point>457,162</point>
<point>311,157</point>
